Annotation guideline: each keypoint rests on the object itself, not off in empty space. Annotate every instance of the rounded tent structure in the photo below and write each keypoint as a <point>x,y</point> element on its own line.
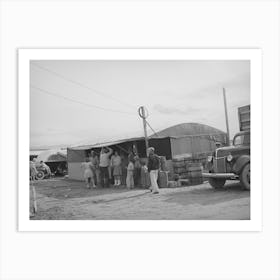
<point>192,138</point>
<point>187,129</point>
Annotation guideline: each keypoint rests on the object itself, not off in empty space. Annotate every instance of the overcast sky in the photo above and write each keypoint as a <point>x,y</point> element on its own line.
<point>73,102</point>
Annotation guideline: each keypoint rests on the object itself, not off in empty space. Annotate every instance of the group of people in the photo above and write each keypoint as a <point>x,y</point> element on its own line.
<point>98,168</point>
<point>108,165</point>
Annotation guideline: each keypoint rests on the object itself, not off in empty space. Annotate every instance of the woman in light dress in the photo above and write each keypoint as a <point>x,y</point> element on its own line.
<point>116,163</point>
<point>88,174</point>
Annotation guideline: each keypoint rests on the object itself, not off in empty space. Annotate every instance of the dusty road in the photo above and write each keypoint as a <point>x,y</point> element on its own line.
<point>63,199</point>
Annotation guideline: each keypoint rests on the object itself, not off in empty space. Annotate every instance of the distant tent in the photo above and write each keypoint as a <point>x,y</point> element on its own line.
<point>33,154</point>
<point>52,156</point>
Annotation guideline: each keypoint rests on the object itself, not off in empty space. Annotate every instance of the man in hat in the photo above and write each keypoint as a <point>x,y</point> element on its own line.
<point>153,167</point>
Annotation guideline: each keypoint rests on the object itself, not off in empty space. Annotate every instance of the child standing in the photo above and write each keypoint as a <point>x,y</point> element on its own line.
<point>88,174</point>
<point>116,163</point>
<point>129,177</point>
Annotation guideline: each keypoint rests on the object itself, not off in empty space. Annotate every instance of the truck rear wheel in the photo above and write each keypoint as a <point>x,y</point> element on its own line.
<point>217,183</point>
<point>245,177</point>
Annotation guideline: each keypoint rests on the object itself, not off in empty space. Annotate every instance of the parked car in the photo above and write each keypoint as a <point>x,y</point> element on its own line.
<point>42,172</point>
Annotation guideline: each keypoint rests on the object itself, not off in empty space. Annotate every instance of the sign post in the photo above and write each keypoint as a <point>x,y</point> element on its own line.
<point>143,113</point>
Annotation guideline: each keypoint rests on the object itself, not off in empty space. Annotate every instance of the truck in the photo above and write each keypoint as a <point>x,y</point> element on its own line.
<point>232,162</point>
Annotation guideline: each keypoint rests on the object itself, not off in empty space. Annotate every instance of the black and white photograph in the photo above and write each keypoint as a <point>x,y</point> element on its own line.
<point>140,139</point>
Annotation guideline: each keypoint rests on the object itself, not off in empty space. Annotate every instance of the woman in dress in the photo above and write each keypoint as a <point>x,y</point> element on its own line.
<point>88,174</point>
<point>116,163</point>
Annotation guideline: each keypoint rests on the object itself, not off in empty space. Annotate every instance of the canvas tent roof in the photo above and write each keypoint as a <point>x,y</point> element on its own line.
<point>103,144</point>
<point>177,131</point>
<point>98,141</point>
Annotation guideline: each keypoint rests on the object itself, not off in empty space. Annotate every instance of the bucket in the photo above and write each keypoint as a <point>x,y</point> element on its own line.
<point>195,173</point>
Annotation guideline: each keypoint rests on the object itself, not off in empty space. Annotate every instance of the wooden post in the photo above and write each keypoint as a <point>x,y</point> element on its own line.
<point>34,200</point>
<point>226,114</point>
<point>143,113</point>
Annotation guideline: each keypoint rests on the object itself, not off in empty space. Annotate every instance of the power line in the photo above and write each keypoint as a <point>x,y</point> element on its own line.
<point>101,93</point>
<point>78,102</point>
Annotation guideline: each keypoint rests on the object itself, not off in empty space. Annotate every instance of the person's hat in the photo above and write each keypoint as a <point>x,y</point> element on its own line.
<point>151,149</point>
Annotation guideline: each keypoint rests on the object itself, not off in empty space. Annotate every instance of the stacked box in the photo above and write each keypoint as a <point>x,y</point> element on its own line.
<point>179,167</point>
<point>180,164</point>
<point>174,184</point>
<point>190,167</point>
<point>195,174</point>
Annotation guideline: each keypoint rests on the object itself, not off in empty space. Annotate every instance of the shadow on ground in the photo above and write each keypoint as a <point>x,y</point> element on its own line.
<point>65,189</point>
<point>207,196</point>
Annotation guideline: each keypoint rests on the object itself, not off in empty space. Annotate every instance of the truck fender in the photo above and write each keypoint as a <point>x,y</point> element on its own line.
<point>240,163</point>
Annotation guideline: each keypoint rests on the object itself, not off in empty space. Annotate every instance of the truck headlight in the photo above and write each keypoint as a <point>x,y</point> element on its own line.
<point>209,158</point>
<point>229,157</point>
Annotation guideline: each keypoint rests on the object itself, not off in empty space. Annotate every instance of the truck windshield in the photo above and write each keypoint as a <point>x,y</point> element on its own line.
<point>242,140</point>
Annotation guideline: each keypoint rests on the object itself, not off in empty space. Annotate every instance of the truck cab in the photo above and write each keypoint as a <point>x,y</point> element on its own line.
<point>231,162</point>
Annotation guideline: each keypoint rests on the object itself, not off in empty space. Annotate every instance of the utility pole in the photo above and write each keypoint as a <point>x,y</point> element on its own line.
<point>226,114</point>
<point>143,113</point>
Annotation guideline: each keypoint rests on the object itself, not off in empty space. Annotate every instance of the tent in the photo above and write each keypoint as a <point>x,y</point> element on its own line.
<point>52,156</point>
<point>34,154</point>
<point>176,140</point>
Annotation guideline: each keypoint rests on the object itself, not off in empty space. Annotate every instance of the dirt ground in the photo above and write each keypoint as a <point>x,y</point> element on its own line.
<point>64,199</point>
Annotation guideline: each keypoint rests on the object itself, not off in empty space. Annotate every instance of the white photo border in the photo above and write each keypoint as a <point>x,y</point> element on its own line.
<point>24,57</point>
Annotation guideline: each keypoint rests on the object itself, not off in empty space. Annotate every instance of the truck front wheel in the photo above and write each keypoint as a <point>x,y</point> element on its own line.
<point>217,183</point>
<point>245,177</point>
